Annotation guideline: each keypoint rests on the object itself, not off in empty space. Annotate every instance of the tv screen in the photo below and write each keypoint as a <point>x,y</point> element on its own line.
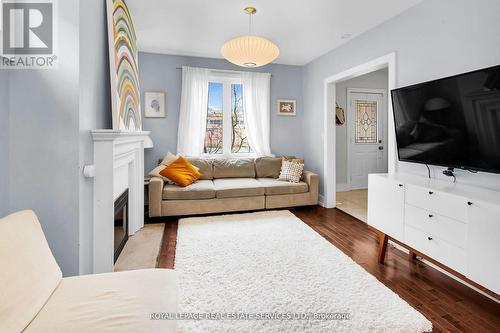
<point>452,122</point>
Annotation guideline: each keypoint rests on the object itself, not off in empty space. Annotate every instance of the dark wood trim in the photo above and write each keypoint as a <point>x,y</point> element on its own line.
<point>166,257</point>
<point>413,255</point>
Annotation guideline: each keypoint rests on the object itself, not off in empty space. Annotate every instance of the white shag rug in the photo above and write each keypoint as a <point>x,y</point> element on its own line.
<point>272,262</point>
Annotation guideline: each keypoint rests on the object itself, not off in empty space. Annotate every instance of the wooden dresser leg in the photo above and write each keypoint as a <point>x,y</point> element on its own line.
<point>382,247</point>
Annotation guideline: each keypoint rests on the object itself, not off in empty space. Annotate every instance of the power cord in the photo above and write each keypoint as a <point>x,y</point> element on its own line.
<point>428,171</point>
<point>449,172</point>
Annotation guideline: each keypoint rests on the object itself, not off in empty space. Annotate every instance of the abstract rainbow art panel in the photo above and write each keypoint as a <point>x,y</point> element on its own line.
<point>123,68</point>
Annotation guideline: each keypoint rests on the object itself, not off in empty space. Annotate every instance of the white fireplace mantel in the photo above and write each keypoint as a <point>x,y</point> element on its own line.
<point>118,165</point>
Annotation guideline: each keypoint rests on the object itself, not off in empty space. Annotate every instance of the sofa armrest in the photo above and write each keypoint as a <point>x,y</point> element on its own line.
<point>312,180</point>
<point>155,196</point>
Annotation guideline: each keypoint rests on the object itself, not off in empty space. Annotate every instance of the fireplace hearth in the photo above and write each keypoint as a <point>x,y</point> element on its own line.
<point>120,224</point>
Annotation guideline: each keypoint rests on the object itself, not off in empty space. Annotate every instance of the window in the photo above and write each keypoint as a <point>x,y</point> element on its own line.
<point>226,134</point>
<point>214,135</point>
<point>239,141</point>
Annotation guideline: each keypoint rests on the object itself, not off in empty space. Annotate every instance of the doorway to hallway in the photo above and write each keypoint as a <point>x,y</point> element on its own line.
<point>361,142</point>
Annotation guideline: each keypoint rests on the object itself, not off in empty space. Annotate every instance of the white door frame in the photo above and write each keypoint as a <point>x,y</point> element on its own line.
<point>350,124</point>
<point>329,152</point>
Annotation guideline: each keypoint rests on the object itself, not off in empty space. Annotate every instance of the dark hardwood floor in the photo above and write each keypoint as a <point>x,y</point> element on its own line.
<point>448,304</point>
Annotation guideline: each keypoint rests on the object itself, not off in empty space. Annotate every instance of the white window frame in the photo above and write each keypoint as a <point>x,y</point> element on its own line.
<point>227,79</point>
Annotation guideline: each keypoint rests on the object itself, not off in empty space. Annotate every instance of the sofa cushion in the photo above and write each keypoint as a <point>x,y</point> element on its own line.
<point>237,187</point>
<point>204,165</point>
<point>291,171</point>
<point>268,167</point>
<point>170,158</point>
<point>181,172</point>
<point>274,186</point>
<point>29,273</point>
<point>202,189</point>
<point>110,302</point>
<point>234,168</point>
<point>163,163</point>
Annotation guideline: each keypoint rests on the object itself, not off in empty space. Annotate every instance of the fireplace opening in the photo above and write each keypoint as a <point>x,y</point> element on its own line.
<point>121,224</point>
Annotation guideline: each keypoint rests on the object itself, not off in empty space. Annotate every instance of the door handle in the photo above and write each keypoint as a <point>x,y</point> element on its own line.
<point>380,147</point>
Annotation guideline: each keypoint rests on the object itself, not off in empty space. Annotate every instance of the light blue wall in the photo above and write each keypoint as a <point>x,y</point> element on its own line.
<point>4,142</point>
<point>44,142</point>
<point>51,113</point>
<point>94,110</point>
<point>433,39</point>
<point>158,73</point>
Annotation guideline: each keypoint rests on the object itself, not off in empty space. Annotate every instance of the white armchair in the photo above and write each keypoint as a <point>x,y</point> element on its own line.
<point>36,298</point>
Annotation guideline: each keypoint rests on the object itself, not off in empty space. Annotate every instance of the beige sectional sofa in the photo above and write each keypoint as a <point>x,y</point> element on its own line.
<point>230,185</point>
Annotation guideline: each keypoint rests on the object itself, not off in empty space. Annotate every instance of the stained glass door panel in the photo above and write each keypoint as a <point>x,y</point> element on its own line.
<point>366,122</point>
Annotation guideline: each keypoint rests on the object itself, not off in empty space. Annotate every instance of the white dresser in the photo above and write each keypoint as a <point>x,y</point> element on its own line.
<point>455,226</point>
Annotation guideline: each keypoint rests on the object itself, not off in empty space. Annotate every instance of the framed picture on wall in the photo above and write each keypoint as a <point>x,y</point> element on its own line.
<point>155,104</point>
<point>287,107</point>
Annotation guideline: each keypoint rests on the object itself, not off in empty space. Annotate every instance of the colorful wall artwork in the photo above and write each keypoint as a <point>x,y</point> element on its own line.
<point>124,72</point>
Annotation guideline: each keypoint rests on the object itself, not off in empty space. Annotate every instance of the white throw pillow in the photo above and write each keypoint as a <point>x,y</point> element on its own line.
<point>291,171</point>
<point>156,173</point>
<point>169,158</point>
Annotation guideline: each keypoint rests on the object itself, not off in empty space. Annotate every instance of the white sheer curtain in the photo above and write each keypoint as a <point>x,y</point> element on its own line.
<point>256,110</point>
<point>193,113</point>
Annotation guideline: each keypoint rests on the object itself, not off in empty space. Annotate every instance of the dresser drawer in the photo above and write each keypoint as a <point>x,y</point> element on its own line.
<point>452,231</point>
<point>436,248</point>
<point>445,204</point>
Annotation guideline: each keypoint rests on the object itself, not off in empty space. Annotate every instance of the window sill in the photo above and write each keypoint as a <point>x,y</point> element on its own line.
<point>234,156</point>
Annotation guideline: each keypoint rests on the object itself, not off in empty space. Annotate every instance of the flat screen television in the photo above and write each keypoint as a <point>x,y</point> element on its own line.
<point>452,122</point>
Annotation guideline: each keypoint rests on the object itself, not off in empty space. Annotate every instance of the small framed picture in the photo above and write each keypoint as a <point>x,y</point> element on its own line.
<point>287,107</point>
<point>155,104</point>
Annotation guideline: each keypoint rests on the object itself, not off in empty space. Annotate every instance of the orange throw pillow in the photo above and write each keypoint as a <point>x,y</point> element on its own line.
<point>181,172</point>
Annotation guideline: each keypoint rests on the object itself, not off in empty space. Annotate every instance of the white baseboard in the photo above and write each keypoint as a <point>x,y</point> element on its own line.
<point>321,200</point>
<point>343,187</point>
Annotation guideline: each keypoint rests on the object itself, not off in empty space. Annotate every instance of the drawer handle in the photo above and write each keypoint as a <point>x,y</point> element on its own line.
<point>430,192</point>
<point>430,215</point>
<point>469,203</point>
<point>429,238</point>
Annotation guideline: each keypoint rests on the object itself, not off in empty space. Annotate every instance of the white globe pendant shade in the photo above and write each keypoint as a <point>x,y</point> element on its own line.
<point>250,51</point>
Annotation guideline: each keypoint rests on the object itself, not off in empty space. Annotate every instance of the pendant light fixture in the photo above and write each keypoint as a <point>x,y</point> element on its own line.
<point>250,50</point>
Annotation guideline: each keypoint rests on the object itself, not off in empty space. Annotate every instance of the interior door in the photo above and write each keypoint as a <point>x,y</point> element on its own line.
<point>367,137</point>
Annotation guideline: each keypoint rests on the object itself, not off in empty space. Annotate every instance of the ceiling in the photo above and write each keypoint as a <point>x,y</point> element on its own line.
<point>302,29</point>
